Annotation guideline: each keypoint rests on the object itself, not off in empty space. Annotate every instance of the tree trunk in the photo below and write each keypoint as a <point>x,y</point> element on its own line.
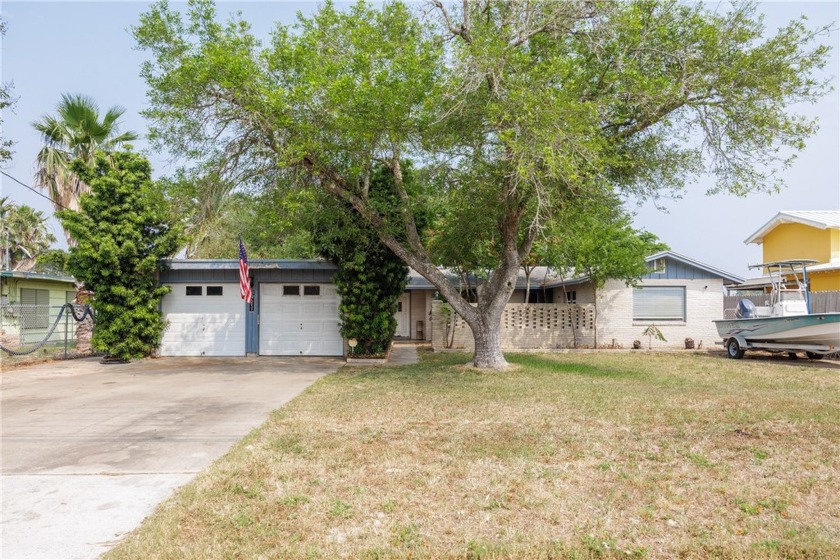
<point>595,319</point>
<point>484,318</point>
<point>488,345</point>
<point>84,329</point>
<point>528,284</point>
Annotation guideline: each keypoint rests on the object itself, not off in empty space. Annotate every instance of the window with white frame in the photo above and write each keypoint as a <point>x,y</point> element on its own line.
<point>659,303</point>
<point>658,266</point>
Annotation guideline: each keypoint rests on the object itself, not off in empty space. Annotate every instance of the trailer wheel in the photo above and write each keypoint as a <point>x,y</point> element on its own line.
<point>813,355</point>
<point>733,349</point>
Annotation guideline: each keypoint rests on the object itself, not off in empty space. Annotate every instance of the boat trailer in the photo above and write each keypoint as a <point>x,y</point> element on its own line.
<point>737,345</point>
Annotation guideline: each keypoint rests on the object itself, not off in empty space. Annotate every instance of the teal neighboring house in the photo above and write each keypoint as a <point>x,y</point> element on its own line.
<point>29,304</point>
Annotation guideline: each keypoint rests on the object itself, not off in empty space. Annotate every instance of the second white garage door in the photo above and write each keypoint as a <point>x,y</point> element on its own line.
<point>299,320</point>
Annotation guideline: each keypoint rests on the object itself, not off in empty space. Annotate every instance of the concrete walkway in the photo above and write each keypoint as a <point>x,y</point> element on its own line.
<point>89,450</point>
<point>403,354</point>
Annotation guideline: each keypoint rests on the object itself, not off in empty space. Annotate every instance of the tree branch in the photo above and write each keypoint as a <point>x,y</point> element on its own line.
<point>335,185</point>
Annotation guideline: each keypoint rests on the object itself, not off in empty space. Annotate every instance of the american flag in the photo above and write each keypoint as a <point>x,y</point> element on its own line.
<point>244,274</point>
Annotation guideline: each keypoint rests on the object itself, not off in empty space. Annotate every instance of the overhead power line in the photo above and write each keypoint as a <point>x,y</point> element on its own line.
<point>42,195</point>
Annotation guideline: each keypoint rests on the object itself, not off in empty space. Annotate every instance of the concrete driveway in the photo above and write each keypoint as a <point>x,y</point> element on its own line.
<point>89,450</point>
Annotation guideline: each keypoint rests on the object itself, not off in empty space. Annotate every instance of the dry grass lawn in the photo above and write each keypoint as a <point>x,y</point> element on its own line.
<point>608,455</point>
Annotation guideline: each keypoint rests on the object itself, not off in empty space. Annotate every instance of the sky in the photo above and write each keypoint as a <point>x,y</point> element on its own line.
<point>52,48</point>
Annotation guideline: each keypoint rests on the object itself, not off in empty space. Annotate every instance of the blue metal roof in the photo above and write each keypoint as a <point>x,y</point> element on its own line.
<point>540,276</point>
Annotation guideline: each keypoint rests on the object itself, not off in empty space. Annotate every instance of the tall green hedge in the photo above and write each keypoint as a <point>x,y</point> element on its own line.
<point>122,233</point>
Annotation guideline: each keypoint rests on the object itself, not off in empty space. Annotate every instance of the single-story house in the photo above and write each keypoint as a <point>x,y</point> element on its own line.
<point>30,302</point>
<point>680,296</point>
<point>294,312</point>
<point>295,308</point>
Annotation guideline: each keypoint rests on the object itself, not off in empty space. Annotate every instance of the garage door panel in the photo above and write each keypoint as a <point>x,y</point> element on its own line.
<point>271,290</point>
<point>204,318</point>
<point>314,327</point>
<point>279,326</point>
<point>286,347</point>
<point>202,325</point>
<point>298,324</point>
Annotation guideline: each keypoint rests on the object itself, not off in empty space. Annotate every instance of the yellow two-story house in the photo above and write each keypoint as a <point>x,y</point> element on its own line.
<point>806,234</point>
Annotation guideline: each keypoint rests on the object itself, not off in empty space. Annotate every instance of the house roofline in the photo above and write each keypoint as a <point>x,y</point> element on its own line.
<point>785,217</point>
<point>36,276</point>
<point>696,264</point>
<point>253,264</point>
<point>726,276</point>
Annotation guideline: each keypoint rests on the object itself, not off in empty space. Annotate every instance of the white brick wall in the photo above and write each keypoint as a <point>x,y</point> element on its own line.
<point>704,304</point>
<point>547,326</point>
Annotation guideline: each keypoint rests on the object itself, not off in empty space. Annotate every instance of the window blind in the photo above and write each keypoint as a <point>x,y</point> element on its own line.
<point>659,303</point>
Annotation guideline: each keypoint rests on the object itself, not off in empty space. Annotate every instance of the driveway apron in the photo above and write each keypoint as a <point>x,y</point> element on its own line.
<point>88,450</point>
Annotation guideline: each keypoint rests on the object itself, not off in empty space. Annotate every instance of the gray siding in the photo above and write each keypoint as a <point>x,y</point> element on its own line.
<point>675,270</point>
<point>232,275</point>
<point>198,276</point>
<point>293,275</point>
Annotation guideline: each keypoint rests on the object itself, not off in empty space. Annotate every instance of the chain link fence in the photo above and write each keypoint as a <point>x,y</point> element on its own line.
<point>27,328</point>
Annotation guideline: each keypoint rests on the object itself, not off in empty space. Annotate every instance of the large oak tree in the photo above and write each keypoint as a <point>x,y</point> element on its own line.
<point>521,108</point>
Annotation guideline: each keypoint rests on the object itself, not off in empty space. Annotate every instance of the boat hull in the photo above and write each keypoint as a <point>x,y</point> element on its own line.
<point>821,329</point>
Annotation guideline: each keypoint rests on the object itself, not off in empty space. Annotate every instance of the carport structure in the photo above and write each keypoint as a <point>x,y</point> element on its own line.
<point>294,312</point>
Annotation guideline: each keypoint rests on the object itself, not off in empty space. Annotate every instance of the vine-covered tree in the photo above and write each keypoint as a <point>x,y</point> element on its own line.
<point>522,106</point>
<point>370,277</point>
<point>123,232</point>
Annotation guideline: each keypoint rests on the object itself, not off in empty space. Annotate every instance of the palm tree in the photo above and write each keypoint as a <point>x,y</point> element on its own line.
<point>76,132</point>
<point>25,235</point>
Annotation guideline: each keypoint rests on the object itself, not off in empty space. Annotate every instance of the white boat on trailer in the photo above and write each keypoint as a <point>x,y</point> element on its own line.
<point>787,324</point>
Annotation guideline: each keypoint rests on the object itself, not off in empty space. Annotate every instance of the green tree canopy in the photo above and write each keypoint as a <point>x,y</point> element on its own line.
<point>274,223</point>
<point>521,106</point>
<point>123,231</point>
<point>53,261</point>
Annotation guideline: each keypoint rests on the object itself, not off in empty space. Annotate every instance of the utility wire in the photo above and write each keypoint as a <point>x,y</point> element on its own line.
<point>42,195</point>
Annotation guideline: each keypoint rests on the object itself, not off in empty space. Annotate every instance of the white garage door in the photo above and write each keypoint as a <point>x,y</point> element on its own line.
<point>299,319</point>
<point>204,320</point>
